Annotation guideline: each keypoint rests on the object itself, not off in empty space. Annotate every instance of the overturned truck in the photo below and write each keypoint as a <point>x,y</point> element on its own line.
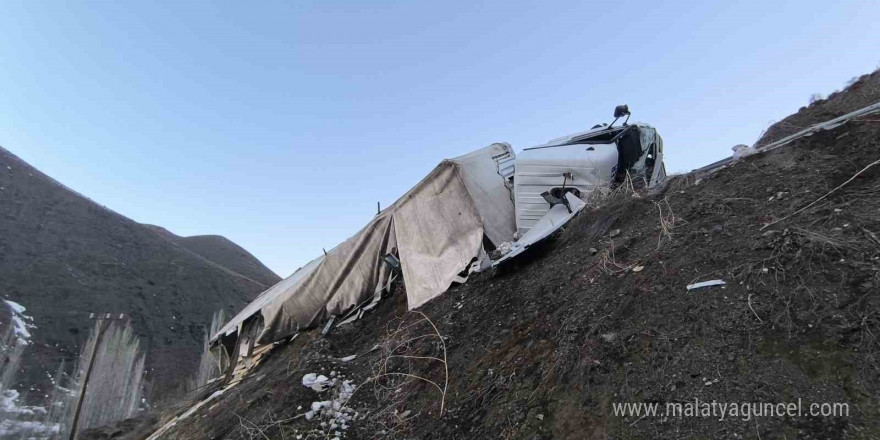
<point>445,227</point>
<point>553,181</point>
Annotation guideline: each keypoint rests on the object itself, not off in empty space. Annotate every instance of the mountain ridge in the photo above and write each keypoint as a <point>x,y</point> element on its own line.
<point>64,256</point>
<point>223,252</point>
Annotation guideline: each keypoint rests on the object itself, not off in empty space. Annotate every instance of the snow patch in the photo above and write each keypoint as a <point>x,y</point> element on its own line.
<point>21,322</point>
<point>11,413</point>
<point>16,307</point>
<point>9,404</point>
<point>28,427</point>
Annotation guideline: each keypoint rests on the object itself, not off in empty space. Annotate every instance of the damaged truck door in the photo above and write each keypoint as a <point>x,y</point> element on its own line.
<point>553,181</point>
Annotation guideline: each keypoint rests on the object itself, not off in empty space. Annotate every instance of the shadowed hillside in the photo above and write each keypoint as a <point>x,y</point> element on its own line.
<point>224,252</point>
<point>62,256</point>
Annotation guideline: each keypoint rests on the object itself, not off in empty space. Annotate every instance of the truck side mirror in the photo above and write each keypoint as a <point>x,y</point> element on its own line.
<point>619,112</point>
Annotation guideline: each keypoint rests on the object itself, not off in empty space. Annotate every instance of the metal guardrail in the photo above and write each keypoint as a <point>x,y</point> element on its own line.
<point>827,125</point>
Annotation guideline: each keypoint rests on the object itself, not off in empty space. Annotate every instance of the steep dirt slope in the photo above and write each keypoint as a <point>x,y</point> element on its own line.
<point>224,252</point>
<point>601,315</point>
<point>860,93</point>
<point>63,256</point>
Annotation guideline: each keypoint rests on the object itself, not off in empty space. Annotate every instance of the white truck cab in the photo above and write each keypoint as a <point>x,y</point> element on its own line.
<point>552,181</point>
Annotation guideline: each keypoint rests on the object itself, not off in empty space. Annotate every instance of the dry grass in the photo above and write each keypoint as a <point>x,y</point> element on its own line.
<point>674,184</point>
<point>609,265</point>
<point>405,361</point>
<point>401,351</point>
<point>627,189</point>
<point>814,202</point>
<point>270,426</point>
<point>667,221</point>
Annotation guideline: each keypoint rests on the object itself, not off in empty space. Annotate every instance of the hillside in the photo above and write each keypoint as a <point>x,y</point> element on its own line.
<point>63,257</point>
<point>600,315</point>
<point>224,252</point>
<point>860,92</point>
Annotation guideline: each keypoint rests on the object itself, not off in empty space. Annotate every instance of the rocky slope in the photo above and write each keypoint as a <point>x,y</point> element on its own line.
<point>601,315</point>
<point>63,256</point>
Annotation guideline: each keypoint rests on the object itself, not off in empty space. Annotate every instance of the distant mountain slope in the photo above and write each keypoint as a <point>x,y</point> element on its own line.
<point>224,252</point>
<point>62,256</point>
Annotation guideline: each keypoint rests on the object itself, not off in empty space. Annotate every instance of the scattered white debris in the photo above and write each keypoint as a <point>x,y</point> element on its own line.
<point>315,382</point>
<point>740,151</point>
<point>332,414</point>
<point>706,284</point>
<point>317,406</point>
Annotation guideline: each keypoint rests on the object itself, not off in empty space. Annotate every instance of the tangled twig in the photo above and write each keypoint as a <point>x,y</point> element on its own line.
<point>250,432</point>
<point>383,366</point>
<point>667,222</point>
<point>753,310</point>
<point>821,198</point>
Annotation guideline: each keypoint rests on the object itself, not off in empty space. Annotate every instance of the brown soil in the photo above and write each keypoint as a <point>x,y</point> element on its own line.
<point>63,257</point>
<point>544,347</point>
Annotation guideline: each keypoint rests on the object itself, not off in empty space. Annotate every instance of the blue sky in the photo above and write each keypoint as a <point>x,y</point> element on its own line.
<point>280,124</point>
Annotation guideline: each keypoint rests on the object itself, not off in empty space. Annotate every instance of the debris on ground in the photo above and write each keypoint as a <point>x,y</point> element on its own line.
<point>702,284</point>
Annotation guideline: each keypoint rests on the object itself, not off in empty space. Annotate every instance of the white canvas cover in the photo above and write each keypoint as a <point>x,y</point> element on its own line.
<point>347,275</point>
<point>437,228</point>
<point>439,231</point>
<point>494,202</point>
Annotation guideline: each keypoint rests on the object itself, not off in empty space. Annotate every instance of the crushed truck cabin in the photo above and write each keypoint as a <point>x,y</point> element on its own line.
<point>470,213</point>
